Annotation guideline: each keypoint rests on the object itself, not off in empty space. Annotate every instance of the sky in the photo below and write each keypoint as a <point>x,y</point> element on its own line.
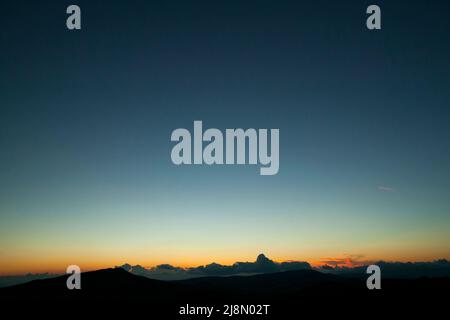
<point>86,116</point>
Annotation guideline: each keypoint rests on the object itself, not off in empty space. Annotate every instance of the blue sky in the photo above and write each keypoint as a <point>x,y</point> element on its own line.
<point>86,118</point>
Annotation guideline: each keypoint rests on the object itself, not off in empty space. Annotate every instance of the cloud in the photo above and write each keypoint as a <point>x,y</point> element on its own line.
<point>386,189</point>
<point>347,260</point>
<point>261,265</point>
<point>348,265</point>
<point>398,270</point>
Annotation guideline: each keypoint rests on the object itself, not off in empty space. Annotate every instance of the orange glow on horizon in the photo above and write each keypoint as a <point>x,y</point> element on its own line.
<point>58,266</point>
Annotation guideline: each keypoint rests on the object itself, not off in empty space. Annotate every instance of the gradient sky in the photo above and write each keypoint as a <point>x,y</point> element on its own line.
<point>86,116</point>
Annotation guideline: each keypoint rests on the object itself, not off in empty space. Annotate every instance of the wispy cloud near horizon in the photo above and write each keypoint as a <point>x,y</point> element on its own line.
<point>385,189</point>
<point>347,260</point>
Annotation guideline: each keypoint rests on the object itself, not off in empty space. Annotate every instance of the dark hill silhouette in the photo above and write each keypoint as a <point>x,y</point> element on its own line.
<point>101,284</point>
<point>120,284</point>
<point>288,292</point>
<point>274,285</point>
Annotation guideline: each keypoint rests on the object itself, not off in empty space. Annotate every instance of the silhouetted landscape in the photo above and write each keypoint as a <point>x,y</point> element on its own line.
<point>284,291</point>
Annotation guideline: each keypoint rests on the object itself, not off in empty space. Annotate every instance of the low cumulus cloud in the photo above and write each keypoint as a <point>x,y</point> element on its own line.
<point>346,264</point>
<point>261,265</point>
<point>398,270</point>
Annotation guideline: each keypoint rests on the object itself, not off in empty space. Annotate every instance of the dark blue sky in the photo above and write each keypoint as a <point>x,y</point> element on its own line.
<point>86,118</point>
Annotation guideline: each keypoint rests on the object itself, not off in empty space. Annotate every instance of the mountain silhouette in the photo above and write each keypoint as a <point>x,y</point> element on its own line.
<point>101,284</point>
<point>275,285</point>
<point>284,291</point>
<point>119,284</point>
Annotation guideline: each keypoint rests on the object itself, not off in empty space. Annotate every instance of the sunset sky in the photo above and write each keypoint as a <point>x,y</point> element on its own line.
<point>86,116</point>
